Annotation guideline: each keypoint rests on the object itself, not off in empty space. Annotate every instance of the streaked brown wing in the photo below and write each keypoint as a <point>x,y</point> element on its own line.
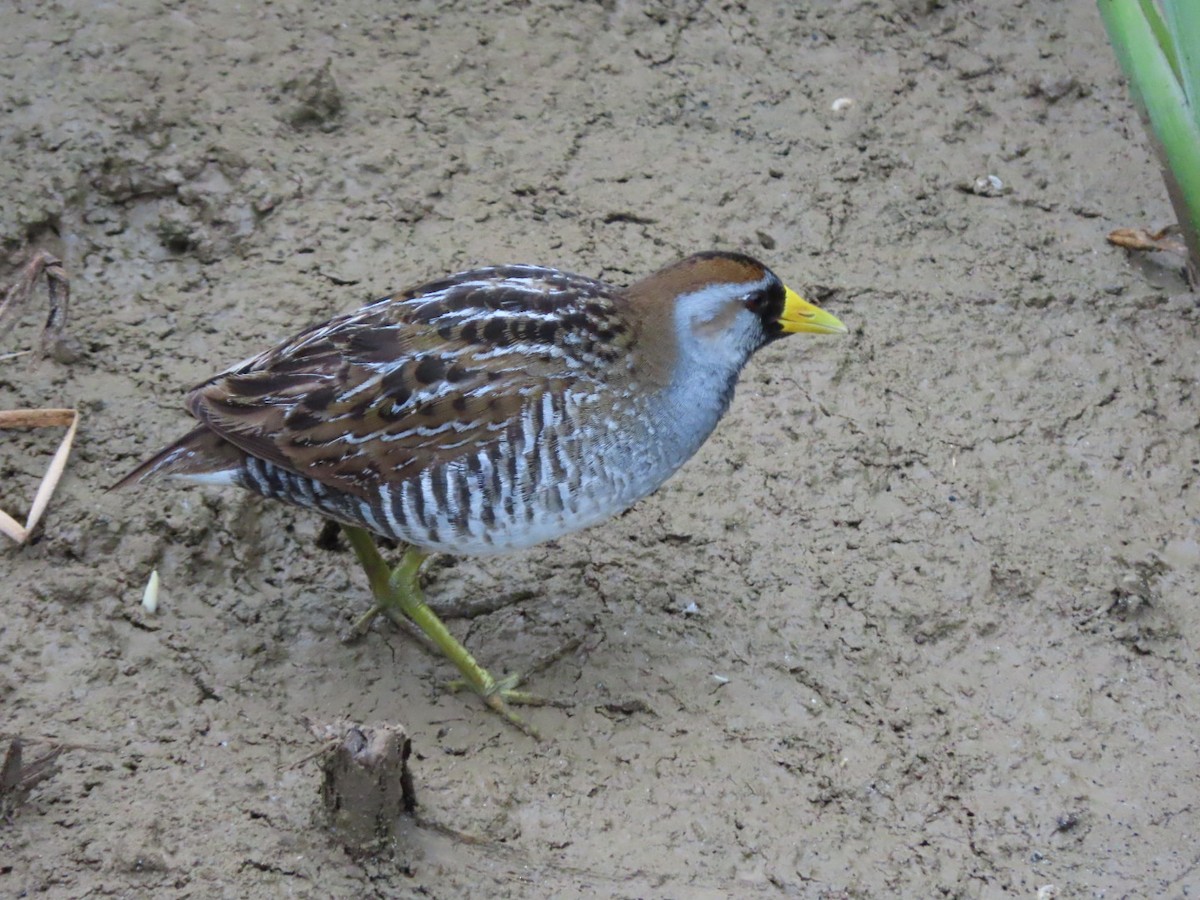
<point>431,376</point>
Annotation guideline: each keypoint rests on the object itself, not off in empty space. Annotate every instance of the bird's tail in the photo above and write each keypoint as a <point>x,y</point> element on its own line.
<point>199,456</point>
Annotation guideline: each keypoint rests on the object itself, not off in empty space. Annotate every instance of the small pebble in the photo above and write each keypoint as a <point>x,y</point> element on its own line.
<point>988,186</point>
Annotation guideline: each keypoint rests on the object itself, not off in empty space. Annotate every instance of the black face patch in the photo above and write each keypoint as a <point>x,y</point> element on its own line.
<point>767,304</point>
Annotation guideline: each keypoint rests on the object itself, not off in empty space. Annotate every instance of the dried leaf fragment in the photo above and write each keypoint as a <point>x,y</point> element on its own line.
<point>1142,239</point>
<point>58,286</point>
<point>18,779</point>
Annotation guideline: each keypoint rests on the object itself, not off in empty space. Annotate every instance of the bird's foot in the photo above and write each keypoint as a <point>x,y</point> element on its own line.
<point>398,595</point>
<point>500,696</point>
<point>362,627</point>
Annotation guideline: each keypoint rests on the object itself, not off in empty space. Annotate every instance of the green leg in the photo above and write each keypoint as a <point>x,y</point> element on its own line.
<point>398,595</point>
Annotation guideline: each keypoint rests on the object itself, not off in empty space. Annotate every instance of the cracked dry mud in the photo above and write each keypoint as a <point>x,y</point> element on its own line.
<point>920,619</point>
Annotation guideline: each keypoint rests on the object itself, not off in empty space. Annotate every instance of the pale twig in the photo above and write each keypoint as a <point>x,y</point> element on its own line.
<point>39,418</point>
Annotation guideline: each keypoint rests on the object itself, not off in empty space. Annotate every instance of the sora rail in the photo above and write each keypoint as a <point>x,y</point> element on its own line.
<point>487,411</point>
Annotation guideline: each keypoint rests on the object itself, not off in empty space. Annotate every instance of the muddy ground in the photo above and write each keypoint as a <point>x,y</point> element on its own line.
<point>919,620</point>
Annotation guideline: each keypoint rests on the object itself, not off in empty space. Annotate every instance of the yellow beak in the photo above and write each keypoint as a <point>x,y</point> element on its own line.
<point>800,315</point>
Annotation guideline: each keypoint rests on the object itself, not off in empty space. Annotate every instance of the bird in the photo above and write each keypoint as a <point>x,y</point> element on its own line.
<point>487,412</point>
